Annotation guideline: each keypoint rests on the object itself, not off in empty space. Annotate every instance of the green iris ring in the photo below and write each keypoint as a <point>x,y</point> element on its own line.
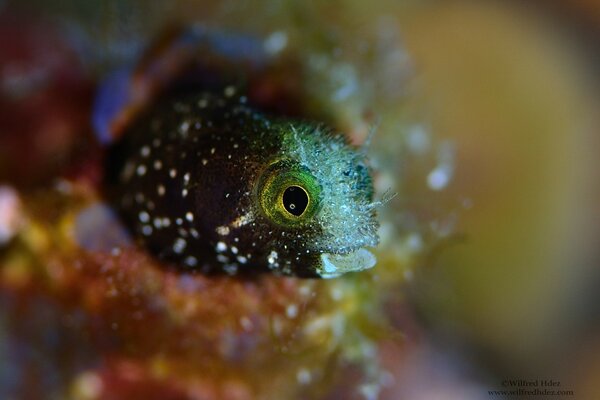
<point>278,177</point>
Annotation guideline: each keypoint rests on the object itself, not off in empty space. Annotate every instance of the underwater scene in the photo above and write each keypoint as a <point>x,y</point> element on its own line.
<point>279,199</point>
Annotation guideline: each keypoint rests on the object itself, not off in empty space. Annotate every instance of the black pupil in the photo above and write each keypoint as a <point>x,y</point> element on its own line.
<point>295,200</point>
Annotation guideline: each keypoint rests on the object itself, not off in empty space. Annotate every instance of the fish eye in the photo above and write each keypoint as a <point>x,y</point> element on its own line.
<point>289,194</point>
<point>295,200</point>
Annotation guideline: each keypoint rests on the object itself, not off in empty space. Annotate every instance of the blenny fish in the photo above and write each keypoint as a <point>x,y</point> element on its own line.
<point>204,179</point>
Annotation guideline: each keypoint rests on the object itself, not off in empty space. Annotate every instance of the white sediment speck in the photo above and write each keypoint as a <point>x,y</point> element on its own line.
<point>184,127</point>
<point>242,220</point>
<point>305,290</point>
<point>189,216</point>
<point>414,242</point>
<point>141,170</point>
<point>439,178</point>
<point>272,258</point>
<point>88,385</point>
<point>418,139</point>
<point>246,323</point>
<point>303,376</point>
<point>291,311</point>
<point>191,261</point>
<point>223,230</point>
<point>229,91</point>
<point>221,247</point>
<point>179,245</point>
<point>144,217</point>
<point>275,42</point>
<point>11,217</point>
<point>336,293</point>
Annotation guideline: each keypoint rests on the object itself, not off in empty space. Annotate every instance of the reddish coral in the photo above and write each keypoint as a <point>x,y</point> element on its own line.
<point>138,328</point>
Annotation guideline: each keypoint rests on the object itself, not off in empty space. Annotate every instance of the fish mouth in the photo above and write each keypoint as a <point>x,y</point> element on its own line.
<point>334,265</point>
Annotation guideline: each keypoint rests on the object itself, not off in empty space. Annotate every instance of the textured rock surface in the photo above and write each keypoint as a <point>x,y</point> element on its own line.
<point>87,315</point>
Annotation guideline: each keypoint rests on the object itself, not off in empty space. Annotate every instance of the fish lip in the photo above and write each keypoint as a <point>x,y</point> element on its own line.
<point>334,265</point>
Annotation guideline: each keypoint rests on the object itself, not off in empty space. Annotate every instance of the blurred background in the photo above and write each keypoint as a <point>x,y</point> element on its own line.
<point>489,132</point>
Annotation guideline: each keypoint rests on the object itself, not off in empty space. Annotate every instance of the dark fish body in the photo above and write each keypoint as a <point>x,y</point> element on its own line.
<point>207,182</point>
